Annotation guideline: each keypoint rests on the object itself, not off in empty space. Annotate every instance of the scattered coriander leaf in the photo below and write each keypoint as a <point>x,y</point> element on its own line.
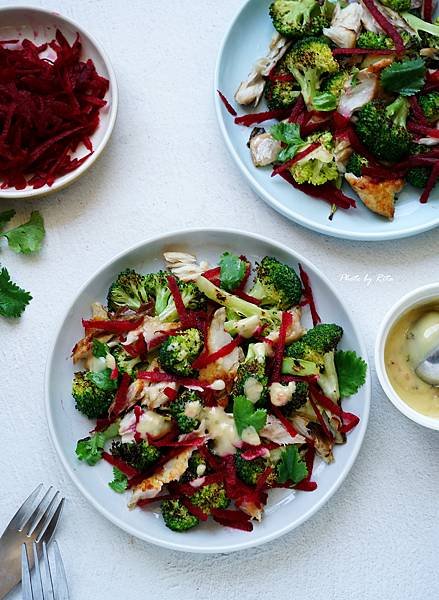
<point>90,448</point>
<point>27,238</point>
<point>245,415</point>
<point>100,349</point>
<point>325,101</point>
<point>405,78</point>
<point>351,372</point>
<point>232,271</point>
<point>291,467</point>
<point>5,217</point>
<point>120,481</point>
<point>102,380</point>
<point>13,299</point>
<point>289,135</point>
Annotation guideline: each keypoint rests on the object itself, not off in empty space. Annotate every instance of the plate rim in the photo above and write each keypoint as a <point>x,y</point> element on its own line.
<point>180,546</point>
<point>269,198</point>
<point>29,192</point>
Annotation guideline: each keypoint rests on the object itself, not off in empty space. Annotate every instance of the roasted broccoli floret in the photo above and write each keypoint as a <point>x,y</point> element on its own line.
<point>297,18</point>
<point>374,41</point>
<point>212,495</point>
<point>336,82</point>
<point>281,90</point>
<point>179,351</point>
<point>176,516</point>
<point>251,380</point>
<point>430,106</point>
<point>318,346</point>
<point>318,166</point>
<point>249,471</point>
<point>197,467</point>
<point>128,291</point>
<point>418,176</point>
<point>308,61</point>
<point>277,284</point>
<point>139,455</point>
<point>382,129</point>
<point>397,5</point>
<point>355,164</point>
<point>92,401</point>
<point>299,398</point>
<point>125,363</point>
<point>164,307</point>
<point>185,408</point>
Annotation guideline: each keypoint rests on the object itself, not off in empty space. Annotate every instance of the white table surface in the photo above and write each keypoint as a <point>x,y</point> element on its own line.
<point>166,167</point>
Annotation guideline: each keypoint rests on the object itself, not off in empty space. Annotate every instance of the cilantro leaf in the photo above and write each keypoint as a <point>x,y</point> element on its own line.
<point>100,349</point>
<point>102,380</point>
<point>232,271</point>
<point>120,481</point>
<point>351,371</point>
<point>291,467</point>
<point>325,101</point>
<point>245,415</point>
<point>90,448</point>
<point>405,78</point>
<point>13,299</point>
<point>5,217</point>
<point>27,238</point>
<point>289,135</point>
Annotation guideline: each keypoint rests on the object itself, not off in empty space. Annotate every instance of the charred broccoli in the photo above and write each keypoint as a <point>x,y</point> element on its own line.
<point>397,5</point>
<point>179,351</point>
<point>336,82</point>
<point>299,398</point>
<point>128,291</point>
<point>176,516</point>
<point>277,285</point>
<point>197,467</point>
<point>185,409</point>
<point>90,400</point>
<point>429,104</point>
<point>125,363</point>
<point>212,495</point>
<point>281,90</point>
<point>139,455</point>
<point>249,471</point>
<point>164,305</point>
<point>298,18</point>
<point>318,166</point>
<point>355,164</point>
<point>251,380</point>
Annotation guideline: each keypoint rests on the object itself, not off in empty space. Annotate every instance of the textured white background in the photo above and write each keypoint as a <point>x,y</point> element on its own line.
<point>166,167</point>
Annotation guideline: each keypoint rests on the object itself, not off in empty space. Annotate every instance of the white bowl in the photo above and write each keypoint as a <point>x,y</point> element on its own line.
<point>285,510</point>
<point>415,298</point>
<point>40,25</point>
<point>245,41</point>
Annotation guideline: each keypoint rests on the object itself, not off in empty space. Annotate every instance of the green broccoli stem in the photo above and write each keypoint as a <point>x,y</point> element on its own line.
<point>328,379</point>
<point>242,307</point>
<point>295,366</point>
<point>308,84</point>
<point>398,110</point>
<point>419,25</point>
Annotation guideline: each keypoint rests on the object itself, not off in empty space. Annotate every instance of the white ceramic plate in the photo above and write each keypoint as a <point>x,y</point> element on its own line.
<point>39,26</point>
<point>286,510</point>
<point>247,40</point>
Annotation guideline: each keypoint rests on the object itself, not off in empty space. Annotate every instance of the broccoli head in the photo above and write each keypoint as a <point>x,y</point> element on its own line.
<point>178,352</point>
<point>336,82</point>
<point>249,471</point>
<point>382,129</point>
<point>251,380</point>
<point>319,166</point>
<point>181,407</point>
<point>397,5</point>
<point>374,41</point>
<point>418,176</point>
<point>212,495</point>
<point>176,516</point>
<point>125,363</point>
<point>92,401</point>
<point>355,164</point>
<point>197,467</point>
<point>128,291</point>
<point>281,90</point>
<point>277,285</point>
<point>139,455</point>
<point>298,399</point>
<point>308,61</point>
<point>298,18</point>
<point>429,104</point>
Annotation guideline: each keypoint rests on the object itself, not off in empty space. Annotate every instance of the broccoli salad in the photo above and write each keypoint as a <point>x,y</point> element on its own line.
<point>354,88</point>
<point>207,390</point>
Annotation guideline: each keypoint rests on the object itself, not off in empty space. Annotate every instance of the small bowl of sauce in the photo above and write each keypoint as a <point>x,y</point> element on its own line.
<point>408,336</point>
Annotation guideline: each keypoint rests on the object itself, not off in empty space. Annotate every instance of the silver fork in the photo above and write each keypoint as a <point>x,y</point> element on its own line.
<point>49,581</point>
<point>35,521</point>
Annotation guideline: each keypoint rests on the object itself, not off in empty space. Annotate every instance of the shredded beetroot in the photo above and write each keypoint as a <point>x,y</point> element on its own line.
<point>128,470</point>
<point>287,165</point>
<point>417,111</point>
<point>112,326</point>
<point>178,300</point>
<point>353,51</point>
<point>309,461</point>
<point>262,479</point>
<point>379,172</point>
<point>232,518</point>
<point>320,418</point>
<point>427,10</point>
<point>298,108</point>
<point>170,393</point>
<point>137,348</point>
<point>349,420</point>
<point>120,400</point>
<point>430,184</point>
<point>287,321</point>
<point>209,458</point>
<point>194,442</point>
<point>306,486</point>
<point>213,275</point>
<point>422,130</point>
<point>138,412</point>
<point>385,24</point>
<point>227,104</point>
<point>114,373</point>
<point>194,510</point>
<point>254,452</point>
<point>285,422</point>
<point>420,160</point>
<point>309,378</point>
<point>253,118</point>
<point>158,376</point>
<point>204,360</point>
<point>326,192</point>
<point>307,292</point>
<point>147,501</point>
<point>246,297</point>
<point>48,109</point>
<point>339,122</point>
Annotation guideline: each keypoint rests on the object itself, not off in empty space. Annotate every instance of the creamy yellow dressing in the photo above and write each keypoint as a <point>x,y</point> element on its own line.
<point>411,339</point>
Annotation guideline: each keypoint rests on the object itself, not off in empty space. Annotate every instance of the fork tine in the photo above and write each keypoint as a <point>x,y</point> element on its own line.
<point>26,586</point>
<point>27,525</point>
<point>48,531</point>
<point>43,517</point>
<point>37,585</point>
<point>46,579</point>
<point>28,505</point>
<point>61,587</point>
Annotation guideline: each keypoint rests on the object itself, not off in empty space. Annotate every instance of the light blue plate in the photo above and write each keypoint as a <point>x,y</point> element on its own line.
<point>247,40</point>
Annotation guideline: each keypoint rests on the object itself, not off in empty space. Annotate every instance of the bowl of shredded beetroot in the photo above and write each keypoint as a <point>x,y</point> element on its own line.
<point>58,102</point>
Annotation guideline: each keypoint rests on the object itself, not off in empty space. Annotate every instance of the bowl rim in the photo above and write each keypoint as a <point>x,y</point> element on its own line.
<point>58,185</point>
<point>268,197</point>
<point>414,298</point>
<point>233,546</point>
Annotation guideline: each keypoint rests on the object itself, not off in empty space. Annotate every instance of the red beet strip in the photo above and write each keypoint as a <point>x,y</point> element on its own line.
<point>298,108</point>
<point>430,184</point>
<point>203,361</point>
<point>254,118</point>
<point>307,290</point>
<point>178,300</point>
<point>326,192</point>
<point>417,111</point>
<point>112,326</point>
<point>194,510</point>
<point>285,422</point>
<point>427,10</point>
<point>287,165</point>
<point>349,420</point>
<point>213,275</point>
<point>232,518</point>
<point>353,51</point>
<point>246,297</point>
<point>126,469</point>
<point>146,501</point>
<point>195,442</point>
<point>120,400</point>
<point>287,320</point>
<point>422,130</point>
<point>320,418</point>
<point>306,486</point>
<point>385,24</point>
<point>227,104</point>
